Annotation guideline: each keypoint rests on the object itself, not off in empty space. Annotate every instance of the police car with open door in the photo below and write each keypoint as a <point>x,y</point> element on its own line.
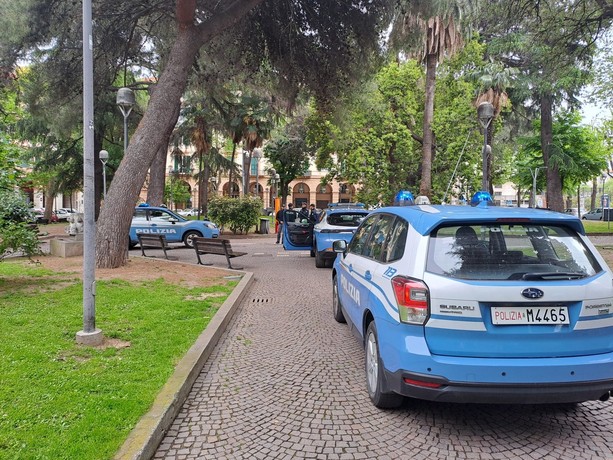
<point>337,221</point>
<point>477,304</point>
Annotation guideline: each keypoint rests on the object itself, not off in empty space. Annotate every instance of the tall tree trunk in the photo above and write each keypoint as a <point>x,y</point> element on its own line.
<point>156,126</point>
<point>555,200</point>
<point>247,171</point>
<point>205,188</point>
<point>230,174</point>
<point>594,194</point>
<point>157,177</point>
<point>425,186</point>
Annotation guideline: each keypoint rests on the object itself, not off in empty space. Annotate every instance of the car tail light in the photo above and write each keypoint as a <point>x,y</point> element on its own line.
<point>412,300</point>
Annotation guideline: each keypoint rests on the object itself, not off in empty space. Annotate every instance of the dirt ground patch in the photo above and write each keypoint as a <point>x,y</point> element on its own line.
<point>141,269</point>
<point>137,268</point>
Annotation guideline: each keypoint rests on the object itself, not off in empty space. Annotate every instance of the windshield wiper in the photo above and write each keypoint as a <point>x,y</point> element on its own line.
<point>553,276</point>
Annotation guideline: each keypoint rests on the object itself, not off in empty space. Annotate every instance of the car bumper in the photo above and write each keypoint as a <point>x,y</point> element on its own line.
<point>324,243</point>
<point>411,370</point>
<point>465,392</point>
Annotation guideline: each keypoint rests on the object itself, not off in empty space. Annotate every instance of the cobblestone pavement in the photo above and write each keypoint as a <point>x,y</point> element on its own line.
<point>287,382</point>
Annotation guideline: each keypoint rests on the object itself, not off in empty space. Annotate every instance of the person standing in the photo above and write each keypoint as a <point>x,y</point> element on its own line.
<point>290,214</point>
<point>313,215</point>
<point>303,214</point>
<point>279,217</point>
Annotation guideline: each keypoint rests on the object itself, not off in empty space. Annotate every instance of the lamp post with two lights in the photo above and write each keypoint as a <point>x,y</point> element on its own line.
<point>485,113</point>
<point>125,101</point>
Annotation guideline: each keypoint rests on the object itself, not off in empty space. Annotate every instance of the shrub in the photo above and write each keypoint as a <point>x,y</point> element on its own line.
<point>17,233</point>
<point>238,214</point>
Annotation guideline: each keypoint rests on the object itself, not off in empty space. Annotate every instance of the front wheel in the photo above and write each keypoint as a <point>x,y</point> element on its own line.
<point>374,373</point>
<point>336,303</point>
<point>188,238</point>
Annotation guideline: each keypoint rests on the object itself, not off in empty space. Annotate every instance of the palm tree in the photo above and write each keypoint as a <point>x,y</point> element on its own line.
<point>197,126</point>
<point>249,119</point>
<point>493,80</point>
<point>429,31</point>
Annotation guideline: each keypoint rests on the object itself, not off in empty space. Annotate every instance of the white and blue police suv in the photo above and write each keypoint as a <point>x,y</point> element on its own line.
<point>153,220</point>
<point>477,304</point>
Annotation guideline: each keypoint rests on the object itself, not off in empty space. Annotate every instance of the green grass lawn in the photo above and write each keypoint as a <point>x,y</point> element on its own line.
<point>595,226</point>
<point>59,400</point>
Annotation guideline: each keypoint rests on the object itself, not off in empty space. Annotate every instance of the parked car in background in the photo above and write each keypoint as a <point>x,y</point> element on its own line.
<point>188,212</point>
<point>176,229</point>
<point>62,215</point>
<point>594,214</point>
<point>478,304</point>
<point>38,215</point>
<point>337,222</point>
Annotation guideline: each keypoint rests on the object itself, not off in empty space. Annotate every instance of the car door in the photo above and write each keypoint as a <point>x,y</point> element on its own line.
<point>164,223</point>
<point>354,278</point>
<point>140,224</point>
<point>297,234</point>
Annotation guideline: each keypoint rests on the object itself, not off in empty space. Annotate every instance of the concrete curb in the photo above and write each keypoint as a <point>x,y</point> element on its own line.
<point>144,439</point>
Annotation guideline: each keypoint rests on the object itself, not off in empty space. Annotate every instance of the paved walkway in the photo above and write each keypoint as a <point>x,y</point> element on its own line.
<point>286,381</point>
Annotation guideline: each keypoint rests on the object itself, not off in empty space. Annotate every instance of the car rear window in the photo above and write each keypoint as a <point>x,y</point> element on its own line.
<point>346,219</point>
<point>523,251</point>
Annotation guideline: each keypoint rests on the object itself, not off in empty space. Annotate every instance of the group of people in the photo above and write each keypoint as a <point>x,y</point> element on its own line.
<point>289,214</point>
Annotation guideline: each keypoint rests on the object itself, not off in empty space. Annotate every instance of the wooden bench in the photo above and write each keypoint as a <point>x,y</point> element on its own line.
<point>148,240</point>
<point>217,246</point>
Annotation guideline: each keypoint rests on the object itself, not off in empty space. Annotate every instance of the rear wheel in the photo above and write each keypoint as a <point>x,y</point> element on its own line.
<point>188,238</point>
<point>320,262</point>
<point>374,373</point>
<point>336,303</point>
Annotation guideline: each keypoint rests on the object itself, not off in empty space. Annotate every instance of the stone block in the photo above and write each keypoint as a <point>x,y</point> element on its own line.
<point>65,247</point>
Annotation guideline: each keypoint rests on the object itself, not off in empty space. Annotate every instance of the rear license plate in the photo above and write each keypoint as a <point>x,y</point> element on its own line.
<point>530,315</point>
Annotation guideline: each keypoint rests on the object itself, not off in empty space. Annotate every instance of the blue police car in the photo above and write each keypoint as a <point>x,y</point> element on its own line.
<point>477,304</point>
<point>336,222</point>
<point>176,229</point>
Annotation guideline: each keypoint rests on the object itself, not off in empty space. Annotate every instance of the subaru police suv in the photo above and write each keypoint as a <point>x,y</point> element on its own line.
<point>477,304</point>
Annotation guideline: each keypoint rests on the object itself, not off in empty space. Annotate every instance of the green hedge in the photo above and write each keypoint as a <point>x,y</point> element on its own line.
<point>238,214</point>
<point>17,234</point>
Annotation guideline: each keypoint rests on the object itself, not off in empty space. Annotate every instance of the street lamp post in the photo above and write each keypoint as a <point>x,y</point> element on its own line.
<point>534,173</point>
<point>277,180</point>
<point>273,182</point>
<point>125,101</point>
<point>257,154</point>
<point>89,335</point>
<point>485,113</point>
<point>104,157</point>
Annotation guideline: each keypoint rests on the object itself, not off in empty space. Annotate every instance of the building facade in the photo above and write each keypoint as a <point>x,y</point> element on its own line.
<point>304,189</point>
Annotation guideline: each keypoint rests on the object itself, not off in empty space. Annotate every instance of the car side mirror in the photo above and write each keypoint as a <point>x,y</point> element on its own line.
<point>339,246</point>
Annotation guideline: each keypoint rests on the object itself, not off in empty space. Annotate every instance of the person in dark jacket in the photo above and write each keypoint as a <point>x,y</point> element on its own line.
<point>290,214</point>
<point>313,214</point>
<point>279,219</point>
<point>303,214</point>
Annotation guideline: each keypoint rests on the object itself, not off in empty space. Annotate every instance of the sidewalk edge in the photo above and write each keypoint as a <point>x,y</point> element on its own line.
<point>146,436</point>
